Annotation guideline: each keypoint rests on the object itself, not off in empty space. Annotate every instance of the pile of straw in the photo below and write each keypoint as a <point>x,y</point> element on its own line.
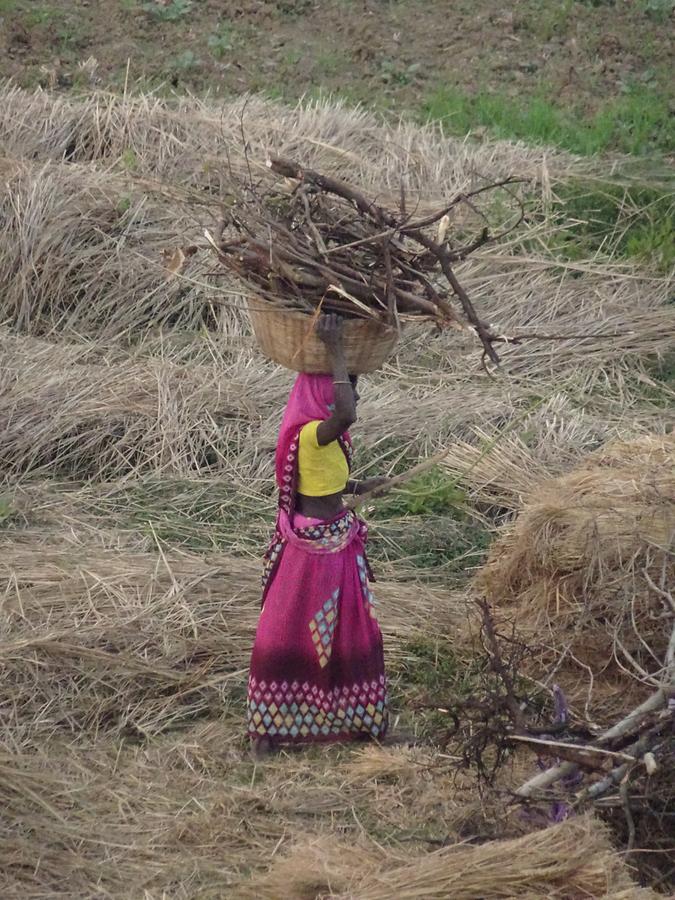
<point>566,861</point>
<point>585,570</point>
<point>186,136</point>
<point>188,815</point>
<point>108,638</point>
<point>65,411</point>
<point>80,254</point>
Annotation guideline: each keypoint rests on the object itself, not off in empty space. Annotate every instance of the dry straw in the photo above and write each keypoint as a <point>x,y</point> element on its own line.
<point>63,412</point>
<point>188,816</point>
<point>585,571</point>
<point>80,254</point>
<point>564,861</point>
<point>171,139</point>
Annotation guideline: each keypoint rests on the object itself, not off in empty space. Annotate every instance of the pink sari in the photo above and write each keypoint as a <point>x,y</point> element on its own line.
<point>317,668</point>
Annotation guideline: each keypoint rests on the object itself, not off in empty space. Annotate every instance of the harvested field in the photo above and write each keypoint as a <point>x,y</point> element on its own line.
<point>137,429</point>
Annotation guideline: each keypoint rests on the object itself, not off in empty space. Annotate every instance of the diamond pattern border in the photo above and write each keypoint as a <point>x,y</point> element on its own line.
<point>322,628</point>
<point>297,712</point>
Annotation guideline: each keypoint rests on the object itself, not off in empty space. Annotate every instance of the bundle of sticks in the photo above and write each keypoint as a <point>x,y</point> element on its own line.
<point>325,246</point>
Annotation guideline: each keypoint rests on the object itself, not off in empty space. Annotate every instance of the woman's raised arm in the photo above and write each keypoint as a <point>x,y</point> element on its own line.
<point>329,330</point>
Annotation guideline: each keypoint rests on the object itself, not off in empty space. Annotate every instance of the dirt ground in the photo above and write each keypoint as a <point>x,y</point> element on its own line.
<point>390,54</point>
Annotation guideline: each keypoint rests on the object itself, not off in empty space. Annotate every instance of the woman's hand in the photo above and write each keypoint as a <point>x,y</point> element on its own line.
<point>329,330</point>
<point>369,484</point>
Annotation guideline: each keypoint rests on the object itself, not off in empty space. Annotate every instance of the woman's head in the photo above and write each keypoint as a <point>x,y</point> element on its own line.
<point>313,397</point>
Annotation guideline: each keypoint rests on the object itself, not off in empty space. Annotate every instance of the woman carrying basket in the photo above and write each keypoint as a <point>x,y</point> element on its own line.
<point>317,668</point>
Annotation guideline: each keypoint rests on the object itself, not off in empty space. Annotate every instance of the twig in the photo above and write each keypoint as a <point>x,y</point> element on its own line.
<point>321,247</point>
<point>391,296</point>
<point>441,252</point>
<point>372,239</point>
<point>498,666</point>
<point>666,595</point>
<point>396,480</point>
<point>582,748</point>
<point>630,821</point>
<point>244,141</point>
<point>432,219</point>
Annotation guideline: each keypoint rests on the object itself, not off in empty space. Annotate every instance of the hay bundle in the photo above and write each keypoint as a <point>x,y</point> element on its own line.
<point>63,413</point>
<point>585,571</point>
<point>111,638</point>
<point>184,815</point>
<point>566,861</point>
<point>106,818</point>
<point>80,253</point>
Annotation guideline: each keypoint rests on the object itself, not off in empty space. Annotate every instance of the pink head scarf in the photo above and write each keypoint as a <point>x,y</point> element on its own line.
<point>311,398</point>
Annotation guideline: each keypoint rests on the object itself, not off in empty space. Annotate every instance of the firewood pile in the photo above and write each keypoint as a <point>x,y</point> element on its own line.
<point>323,246</point>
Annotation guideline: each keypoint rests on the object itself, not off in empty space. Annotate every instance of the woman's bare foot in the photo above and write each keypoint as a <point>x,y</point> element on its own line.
<point>261,748</point>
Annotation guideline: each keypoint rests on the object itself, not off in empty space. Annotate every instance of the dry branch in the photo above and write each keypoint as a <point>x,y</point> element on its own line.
<point>326,245</point>
<point>396,480</point>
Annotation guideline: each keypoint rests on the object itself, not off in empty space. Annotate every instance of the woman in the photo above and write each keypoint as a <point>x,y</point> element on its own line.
<point>317,668</point>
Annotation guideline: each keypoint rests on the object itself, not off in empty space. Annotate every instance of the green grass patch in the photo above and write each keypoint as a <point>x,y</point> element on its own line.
<point>439,544</point>
<point>43,14</point>
<point>658,388</point>
<point>639,123</point>
<point>293,8</point>
<point>8,514</point>
<point>386,457</point>
<point>195,515</point>
<point>431,492</point>
<point>659,10</point>
<point>433,665</point>
<point>630,222</point>
<point>430,675</point>
<point>171,12</point>
<point>222,41</point>
<point>429,524</point>
<point>184,61</point>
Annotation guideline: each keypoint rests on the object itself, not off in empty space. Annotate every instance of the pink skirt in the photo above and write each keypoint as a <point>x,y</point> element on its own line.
<point>317,667</point>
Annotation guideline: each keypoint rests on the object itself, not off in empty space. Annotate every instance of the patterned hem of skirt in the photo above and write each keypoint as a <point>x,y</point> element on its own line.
<point>344,738</point>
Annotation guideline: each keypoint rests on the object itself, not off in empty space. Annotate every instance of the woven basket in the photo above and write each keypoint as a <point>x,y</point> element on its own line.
<point>286,337</point>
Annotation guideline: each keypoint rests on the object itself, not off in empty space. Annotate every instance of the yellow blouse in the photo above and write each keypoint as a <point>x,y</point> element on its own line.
<point>321,470</point>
